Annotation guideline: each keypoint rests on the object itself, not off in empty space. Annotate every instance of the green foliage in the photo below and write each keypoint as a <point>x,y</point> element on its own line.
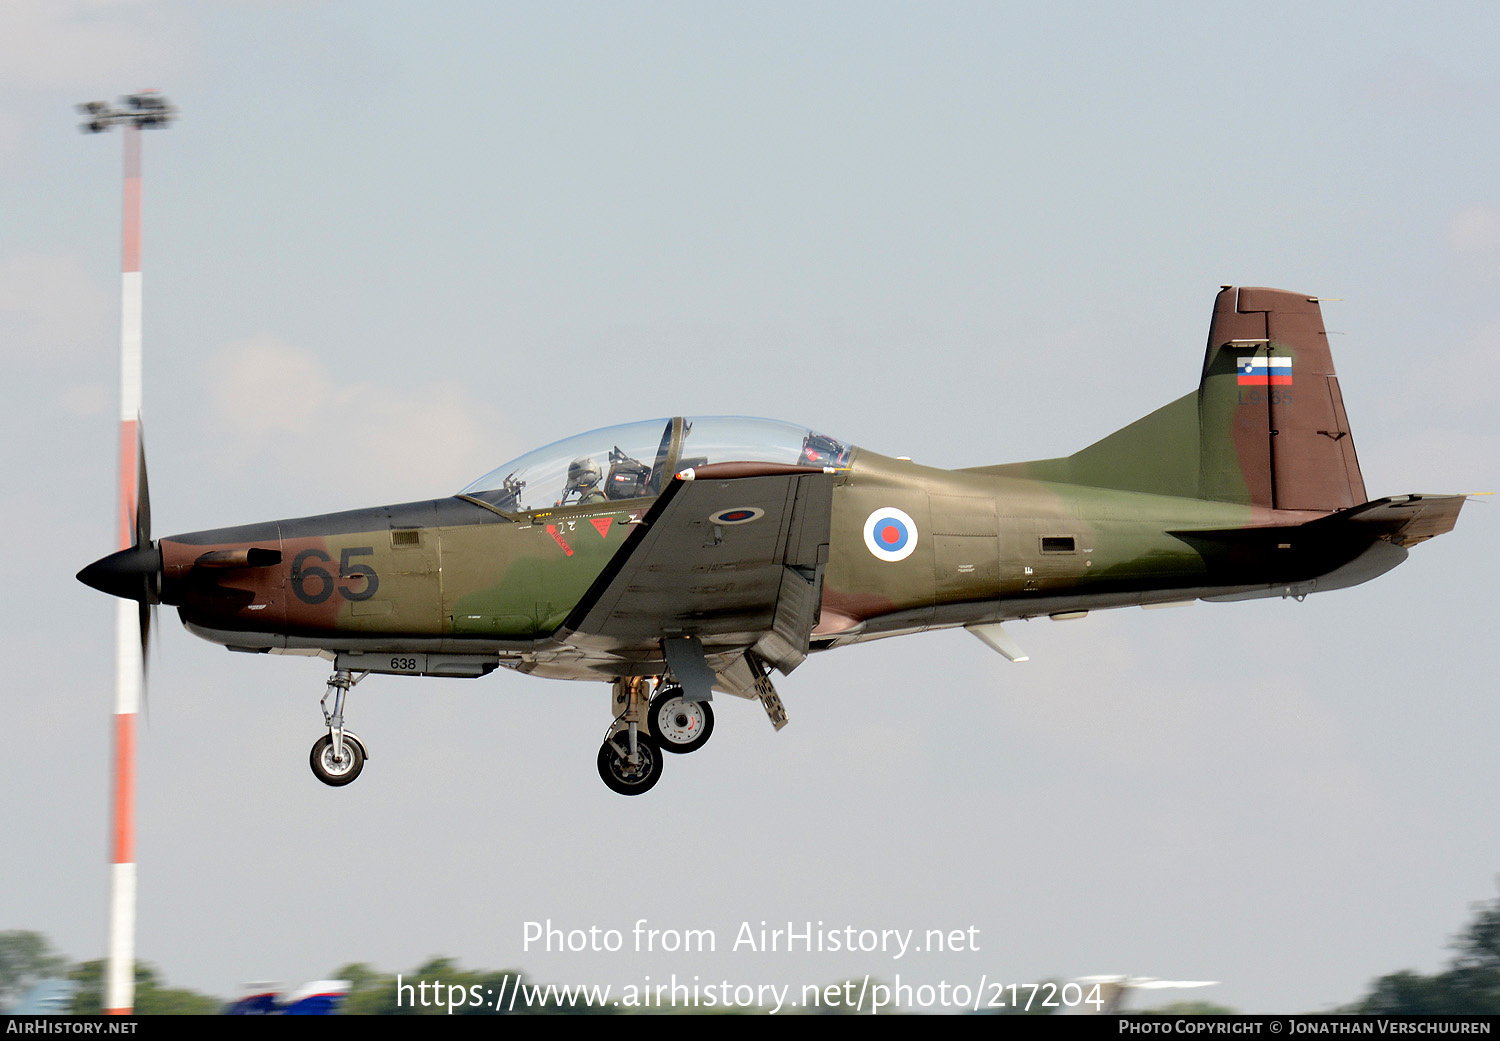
<point>1407,994</point>
<point>369,989</point>
<point>89,998</point>
<point>850,997</point>
<point>1470,986</point>
<point>430,989</point>
<point>151,998</point>
<point>25,958</point>
<point>1028,999</point>
<point>175,1001</point>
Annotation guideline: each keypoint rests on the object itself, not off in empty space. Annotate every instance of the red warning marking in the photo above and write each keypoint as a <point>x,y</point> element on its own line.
<point>556,537</point>
<point>601,524</point>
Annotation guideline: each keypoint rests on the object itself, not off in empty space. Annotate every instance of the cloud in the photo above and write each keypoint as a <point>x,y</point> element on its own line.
<point>264,390</point>
<point>1440,459</point>
<point>50,306</point>
<point>282,409</point>
<point>85,399</point>
<point>1413,84</point>
<point>1477,361</point>
<point>1475,231</point>
<point>1465,376</point>
<point>53,44</point>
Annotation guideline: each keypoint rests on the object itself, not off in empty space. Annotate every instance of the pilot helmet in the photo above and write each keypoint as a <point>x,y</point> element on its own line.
<point>583,474</point>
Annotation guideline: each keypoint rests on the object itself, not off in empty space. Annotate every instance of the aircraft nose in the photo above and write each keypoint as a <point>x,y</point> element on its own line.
<point>134,573</point>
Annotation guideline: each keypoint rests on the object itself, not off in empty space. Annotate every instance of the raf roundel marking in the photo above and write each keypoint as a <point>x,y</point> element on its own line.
<point>737,515</point>
<point>890,534</point>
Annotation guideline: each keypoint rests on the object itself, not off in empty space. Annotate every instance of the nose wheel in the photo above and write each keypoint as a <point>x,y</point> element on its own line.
<point>332,768</point>
<point>338,756</point>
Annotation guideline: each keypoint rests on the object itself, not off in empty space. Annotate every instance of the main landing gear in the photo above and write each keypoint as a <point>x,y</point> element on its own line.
<point>630,760</point>
<point>339,756</point>
<point>649,724</point>
<point>682,726</point>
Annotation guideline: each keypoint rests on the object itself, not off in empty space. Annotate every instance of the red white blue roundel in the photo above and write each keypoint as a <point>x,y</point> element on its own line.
<point>737,515</point>
<point>890,534</point>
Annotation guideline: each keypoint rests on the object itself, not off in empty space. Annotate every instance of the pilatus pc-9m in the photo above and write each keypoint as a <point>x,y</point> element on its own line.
<point>676,557</point>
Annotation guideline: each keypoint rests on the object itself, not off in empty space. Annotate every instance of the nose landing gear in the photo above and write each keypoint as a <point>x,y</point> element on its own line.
<point>333,768</point>
<point>339,756</point>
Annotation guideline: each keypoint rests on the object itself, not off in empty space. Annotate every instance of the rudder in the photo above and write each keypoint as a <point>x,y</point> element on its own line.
<point>1272,427</point>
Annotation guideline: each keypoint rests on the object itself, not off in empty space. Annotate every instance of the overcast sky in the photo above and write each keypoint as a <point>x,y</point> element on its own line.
<point>389,246</point>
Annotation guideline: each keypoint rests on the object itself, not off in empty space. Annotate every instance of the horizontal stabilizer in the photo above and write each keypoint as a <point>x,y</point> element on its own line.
<point>1403,520</point>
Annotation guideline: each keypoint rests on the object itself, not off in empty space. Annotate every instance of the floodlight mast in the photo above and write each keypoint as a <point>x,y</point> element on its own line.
<point>143,109</point>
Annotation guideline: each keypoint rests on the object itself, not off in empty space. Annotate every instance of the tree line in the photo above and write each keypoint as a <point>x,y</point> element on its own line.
<point>1470,985</point>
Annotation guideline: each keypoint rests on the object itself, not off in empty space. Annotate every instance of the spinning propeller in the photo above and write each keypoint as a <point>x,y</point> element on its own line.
<point>132,573</point>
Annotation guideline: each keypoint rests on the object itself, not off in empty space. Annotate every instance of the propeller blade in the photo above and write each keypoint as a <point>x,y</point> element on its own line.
<point>143,494</point>
<point>147,616</point>
<point>149,589</point>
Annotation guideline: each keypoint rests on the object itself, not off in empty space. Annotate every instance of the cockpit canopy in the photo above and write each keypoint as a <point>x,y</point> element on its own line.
<point>630,461</point>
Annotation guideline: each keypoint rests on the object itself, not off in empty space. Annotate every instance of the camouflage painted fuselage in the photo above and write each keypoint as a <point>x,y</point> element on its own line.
<point>1248,487</point>
<point>448,577</point>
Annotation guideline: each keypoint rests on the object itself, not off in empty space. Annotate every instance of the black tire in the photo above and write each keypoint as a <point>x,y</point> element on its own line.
<point>680,726</point>
<point>619,775</point>
<point>337,774</point>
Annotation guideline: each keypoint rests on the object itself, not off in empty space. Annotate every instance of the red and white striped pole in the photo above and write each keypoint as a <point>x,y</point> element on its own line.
<point>141,110</point>
<point>119,990</point>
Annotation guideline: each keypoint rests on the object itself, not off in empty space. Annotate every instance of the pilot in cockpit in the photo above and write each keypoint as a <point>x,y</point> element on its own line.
<point>583,483</point>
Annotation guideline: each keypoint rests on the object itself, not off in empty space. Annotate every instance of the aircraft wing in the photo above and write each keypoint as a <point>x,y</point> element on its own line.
<point>731,553</point>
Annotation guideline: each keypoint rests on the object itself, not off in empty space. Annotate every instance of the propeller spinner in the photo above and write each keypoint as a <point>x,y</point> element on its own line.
<point>133,573</point>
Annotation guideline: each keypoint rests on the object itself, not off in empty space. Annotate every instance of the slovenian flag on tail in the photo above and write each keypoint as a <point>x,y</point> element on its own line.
<point>1263,372</point>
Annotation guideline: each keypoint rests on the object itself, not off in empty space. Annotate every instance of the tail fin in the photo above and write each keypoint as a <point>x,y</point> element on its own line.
<point>1272,428</point>
<point>1266,427</point>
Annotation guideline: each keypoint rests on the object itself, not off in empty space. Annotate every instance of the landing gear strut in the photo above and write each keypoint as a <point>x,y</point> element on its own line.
<point>338,757</point>
<point>630,760</point>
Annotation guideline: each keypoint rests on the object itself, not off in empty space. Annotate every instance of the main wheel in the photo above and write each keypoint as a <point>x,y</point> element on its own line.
<point>333,771</point>
<point>616,770</point>
<point>681,726</point>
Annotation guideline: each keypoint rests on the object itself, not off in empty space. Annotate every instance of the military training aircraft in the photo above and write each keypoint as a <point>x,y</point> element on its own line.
<point>677,557</point>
